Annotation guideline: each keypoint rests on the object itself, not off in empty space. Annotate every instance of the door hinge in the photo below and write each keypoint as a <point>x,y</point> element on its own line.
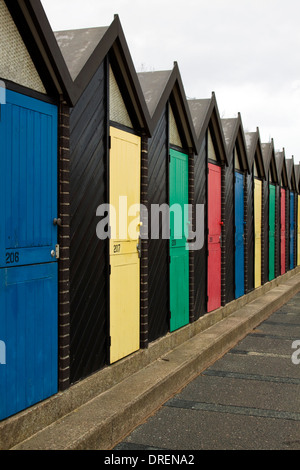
<point>109,270</point>
<point>57,251</point>
<point>109,142</point>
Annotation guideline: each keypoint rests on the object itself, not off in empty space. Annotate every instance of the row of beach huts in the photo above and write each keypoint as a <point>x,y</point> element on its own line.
<point>81,129</point>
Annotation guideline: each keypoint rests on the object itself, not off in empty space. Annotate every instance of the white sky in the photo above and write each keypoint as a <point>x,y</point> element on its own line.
<point>246,51</point>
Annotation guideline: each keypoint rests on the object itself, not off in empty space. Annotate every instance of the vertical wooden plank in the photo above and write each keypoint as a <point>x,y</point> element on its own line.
<point>158,252</point>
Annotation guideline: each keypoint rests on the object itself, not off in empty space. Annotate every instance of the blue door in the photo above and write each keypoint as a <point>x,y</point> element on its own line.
<point>292,229</point>
<point>28,264</point>
<point>239,236</point>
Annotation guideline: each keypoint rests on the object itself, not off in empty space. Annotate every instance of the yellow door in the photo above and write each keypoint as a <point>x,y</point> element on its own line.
<point>298,244</point>
<point>257,231</point>
<point>125,182</point>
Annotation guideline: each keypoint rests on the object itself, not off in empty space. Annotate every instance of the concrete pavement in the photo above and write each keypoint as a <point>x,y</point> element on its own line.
<point>98,412</point>
<point>248,400</point>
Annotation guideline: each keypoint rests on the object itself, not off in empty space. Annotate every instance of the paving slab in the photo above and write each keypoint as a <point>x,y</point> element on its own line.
<point>247,400</point>
<point>214,429</point>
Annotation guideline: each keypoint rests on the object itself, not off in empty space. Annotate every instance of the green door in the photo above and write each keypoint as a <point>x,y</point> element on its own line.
<point>272,233</point>
<point>179,255</point>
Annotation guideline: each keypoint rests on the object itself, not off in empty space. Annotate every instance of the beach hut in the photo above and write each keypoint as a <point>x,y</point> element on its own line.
<point>293,210</point>
<point>35,90</point>
<point>255,210</point>
<point>209,191</point>
<point>235,207</point>
<point>284,209</point>
<point>270,211</point>
<point>107,126</point>
<point>171,150</point>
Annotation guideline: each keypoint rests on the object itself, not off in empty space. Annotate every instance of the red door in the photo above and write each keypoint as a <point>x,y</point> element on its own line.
<point>282,234</point>
<point>214,238</point>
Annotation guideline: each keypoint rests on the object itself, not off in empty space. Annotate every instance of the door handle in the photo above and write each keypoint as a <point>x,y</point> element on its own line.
<point>57,222</point>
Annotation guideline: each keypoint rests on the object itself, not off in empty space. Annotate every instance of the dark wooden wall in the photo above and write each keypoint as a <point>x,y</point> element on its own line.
<point>200,256</point>
<point>250,230</point>
<point>88,255</point>
<point>158,250</point>
<point>229,231</point>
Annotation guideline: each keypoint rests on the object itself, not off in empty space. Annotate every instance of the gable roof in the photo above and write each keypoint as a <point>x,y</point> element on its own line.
<point>161,87</point>
<point>205,114</point>
<point>35,30</point>
<point>254,148</point>
<point>95,45</point>
<point>234,136</point>
<point>268,153</point>
<point>297,175</point>
<point>291,173</point>
<point>281,168</point>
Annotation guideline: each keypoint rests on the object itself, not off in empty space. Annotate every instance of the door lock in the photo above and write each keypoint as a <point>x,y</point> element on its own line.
<point>55,253</point>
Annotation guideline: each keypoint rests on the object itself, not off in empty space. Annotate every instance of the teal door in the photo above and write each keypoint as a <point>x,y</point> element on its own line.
<point>179,254</point>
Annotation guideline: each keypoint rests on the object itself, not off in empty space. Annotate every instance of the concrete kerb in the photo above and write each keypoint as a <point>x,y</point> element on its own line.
<point>238,324</point>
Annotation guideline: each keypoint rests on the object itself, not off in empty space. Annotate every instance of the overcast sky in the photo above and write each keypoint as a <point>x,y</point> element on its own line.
<point>246,51</point>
